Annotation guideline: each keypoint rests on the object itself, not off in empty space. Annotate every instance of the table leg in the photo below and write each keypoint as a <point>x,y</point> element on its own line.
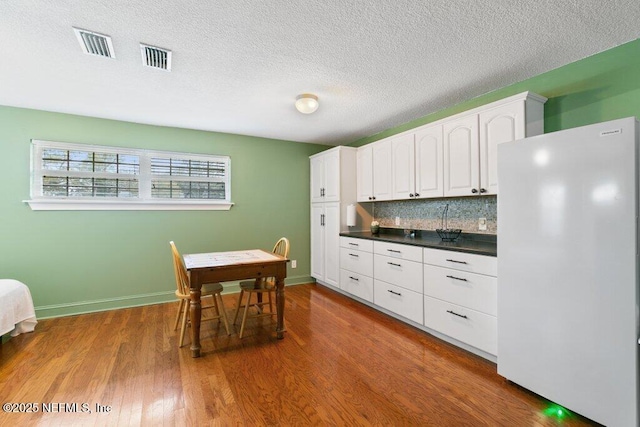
<point>195,314</point>
<point>280,307</point>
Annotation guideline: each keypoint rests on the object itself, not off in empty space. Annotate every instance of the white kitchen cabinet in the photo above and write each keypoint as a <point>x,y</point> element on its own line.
<point>498,125</point>
<point>407,274</point>
<point>364,165</point>
<point>333,187</point>
<point>325,238</point>
<point>397,272</point>
<point>471,142</point>
<point>468,326</point>
<point>374,172</point>
<point>455,156</point>
<point>398,251</point>
<point>356,267</point>
<point>382,168</point>
<point>399,300</point>
<point>460,297</point>
<point>461,157</point>
<point>325,177</point>
<point>475,291</point>
<point>403,167</point>
<point>429,173</point>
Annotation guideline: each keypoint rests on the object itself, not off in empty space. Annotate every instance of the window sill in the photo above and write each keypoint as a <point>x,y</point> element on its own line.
<point>127,205</point>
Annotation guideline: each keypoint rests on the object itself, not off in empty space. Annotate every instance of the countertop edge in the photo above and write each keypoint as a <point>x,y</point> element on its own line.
<point>467,246</point>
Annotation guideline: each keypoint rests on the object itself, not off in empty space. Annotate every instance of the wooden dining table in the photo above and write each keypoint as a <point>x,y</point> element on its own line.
<point>231,266</point>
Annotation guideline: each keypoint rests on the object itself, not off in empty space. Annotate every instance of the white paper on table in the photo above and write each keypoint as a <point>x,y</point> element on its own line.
<point>217,259</point>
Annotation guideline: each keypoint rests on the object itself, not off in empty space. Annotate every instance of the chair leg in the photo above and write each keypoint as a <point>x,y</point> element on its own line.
<point>223,313</point>
<point>235,316</point>
<point>175,326</point>
<point>185,318</point>
<point>244,315</point>
<point>270,304</point>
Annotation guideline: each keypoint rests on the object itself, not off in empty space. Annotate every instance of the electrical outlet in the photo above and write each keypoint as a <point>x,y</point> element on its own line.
<point>397,220</point>
<point>482,224</point>
<point>294,263</point>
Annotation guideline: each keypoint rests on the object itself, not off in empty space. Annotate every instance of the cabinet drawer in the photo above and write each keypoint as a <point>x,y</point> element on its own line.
<point>408,252</point>
<point>358,244</point>
<point>475,291</point>
<point>398,300</point>
<point>469,326</point>
<point>357,284</point>
<point>407,274</point>
<point>473,263</point>
<point>356,261</point>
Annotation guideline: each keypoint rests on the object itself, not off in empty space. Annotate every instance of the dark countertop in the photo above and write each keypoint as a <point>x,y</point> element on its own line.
<point>481,244</point>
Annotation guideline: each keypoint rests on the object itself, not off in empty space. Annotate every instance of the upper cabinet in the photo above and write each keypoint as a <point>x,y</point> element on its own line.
<point>325,176</point>
<point>498,125</point>
<point>455,156</point>
<point>403,167</point>
<point>429,162</point>
<point>461,157</point>
<point>374,171</point>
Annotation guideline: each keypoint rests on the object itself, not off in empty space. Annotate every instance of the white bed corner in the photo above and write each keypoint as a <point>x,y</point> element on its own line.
<point>17,314</point>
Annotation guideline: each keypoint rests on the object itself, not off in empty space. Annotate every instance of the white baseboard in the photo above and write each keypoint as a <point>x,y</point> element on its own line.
<point>93,306</point>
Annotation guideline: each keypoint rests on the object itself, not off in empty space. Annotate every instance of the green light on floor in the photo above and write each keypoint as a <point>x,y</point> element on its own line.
<point>557,412</point>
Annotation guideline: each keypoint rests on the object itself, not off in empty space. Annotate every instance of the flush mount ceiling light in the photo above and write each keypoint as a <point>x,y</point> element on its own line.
<point>307,103</point>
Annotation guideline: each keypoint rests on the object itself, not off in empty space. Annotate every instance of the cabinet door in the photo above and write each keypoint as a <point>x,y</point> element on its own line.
<point>317,178</point>
<point>429,162</point>
<point>502,124</point>
<point>317,241</point>
<point>364,166</point>
<point>382,167</point>
<point>332,243</point>
<point>332,176</point>
<point>403,167</point>
<point>461,157</point>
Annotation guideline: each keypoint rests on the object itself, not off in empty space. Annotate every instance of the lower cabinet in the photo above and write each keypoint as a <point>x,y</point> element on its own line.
<point>461,296</point>
<point>451,293</point>
<point>469,326</point>
<point>356,267</point>
<point>357,284</point>
<point>399,300</point>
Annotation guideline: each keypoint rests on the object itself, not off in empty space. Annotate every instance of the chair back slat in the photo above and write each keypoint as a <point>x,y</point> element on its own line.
<point>282,247</point>
<point>182,276</point>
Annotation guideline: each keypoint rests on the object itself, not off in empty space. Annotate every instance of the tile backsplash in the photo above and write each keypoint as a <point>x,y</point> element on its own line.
<point>426,214</point>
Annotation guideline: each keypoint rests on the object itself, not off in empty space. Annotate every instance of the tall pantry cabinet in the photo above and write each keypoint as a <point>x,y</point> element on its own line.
<point>333,188</point>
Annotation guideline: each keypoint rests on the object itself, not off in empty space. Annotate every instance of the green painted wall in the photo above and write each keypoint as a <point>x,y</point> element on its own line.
<point>76,261</point>
<point>601,87</point>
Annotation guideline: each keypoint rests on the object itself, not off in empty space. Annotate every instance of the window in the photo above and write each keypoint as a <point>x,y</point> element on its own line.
<point>76,176</point>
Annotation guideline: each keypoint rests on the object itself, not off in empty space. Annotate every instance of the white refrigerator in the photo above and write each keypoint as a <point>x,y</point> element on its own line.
<point>568,276</point>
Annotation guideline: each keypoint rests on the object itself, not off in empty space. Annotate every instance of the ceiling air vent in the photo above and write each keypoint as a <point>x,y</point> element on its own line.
<point>155,57</point>
<point>94,43</point>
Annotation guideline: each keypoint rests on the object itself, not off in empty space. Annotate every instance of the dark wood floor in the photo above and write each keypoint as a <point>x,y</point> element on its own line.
<point>341,363</point>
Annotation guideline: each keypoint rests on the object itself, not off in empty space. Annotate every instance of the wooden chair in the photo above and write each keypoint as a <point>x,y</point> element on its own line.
<point>259,287</point>
<point>214,290</point>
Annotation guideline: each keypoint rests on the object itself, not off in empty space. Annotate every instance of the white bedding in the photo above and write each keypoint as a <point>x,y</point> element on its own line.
<point>16,308</point>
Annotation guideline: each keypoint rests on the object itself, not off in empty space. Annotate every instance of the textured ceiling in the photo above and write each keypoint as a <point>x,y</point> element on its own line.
<point>238,64</point>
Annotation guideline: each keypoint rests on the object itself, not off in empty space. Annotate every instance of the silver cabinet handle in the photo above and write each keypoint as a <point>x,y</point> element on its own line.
<point>354,278</point>
<point>393,263</point>
<point>395,293</point>
<point>394,251</point>
<point>457,278</point>
<point>459,262</point>
<point>354,255</point>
